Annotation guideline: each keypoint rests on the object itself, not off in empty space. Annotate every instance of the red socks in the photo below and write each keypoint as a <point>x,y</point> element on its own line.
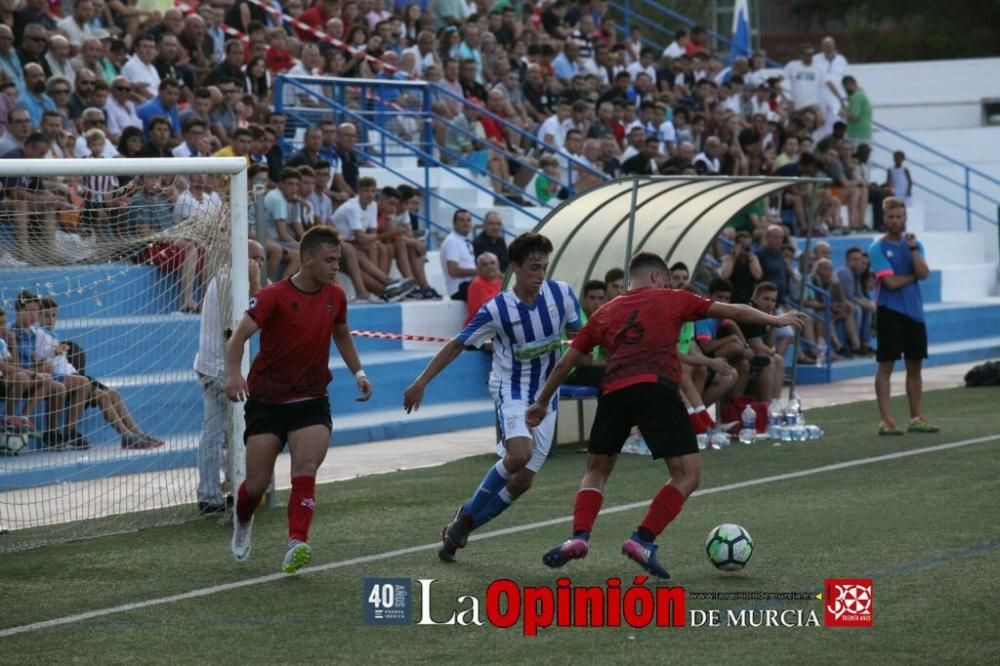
<point>702,421</point>
<point>300,507</point>
<point>585,509</point>
<point>663,509</point>
<point>245,505</point>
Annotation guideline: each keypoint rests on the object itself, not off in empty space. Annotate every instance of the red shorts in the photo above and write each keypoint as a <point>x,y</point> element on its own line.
<point>169,257</point>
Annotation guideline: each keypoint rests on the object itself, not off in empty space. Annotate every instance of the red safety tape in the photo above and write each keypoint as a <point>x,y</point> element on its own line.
<point>323,37</point>
<point>380,335</point>
<point>229,30</point>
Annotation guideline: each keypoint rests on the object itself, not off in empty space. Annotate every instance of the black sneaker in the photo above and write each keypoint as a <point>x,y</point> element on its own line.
<point>454,536</point>
<point>398,289</point>
<point>430,294</point>
<point>210,508</point>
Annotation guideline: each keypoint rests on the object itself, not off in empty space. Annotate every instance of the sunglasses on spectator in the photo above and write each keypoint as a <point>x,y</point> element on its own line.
<point>123,88</point>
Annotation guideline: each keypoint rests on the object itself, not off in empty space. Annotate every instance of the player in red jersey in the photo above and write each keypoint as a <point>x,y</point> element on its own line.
<point>639,331</point>
<point>286,389</point>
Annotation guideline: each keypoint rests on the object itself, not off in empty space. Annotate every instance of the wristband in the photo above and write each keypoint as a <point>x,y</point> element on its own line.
<point>360,374</point>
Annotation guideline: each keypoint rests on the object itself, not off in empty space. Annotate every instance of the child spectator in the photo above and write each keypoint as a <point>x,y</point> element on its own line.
<point>897,179</point>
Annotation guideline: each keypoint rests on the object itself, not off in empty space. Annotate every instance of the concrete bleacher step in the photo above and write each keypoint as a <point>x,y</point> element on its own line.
<point>960,282</point>
<point>945,353</point>
<point>170,402</point>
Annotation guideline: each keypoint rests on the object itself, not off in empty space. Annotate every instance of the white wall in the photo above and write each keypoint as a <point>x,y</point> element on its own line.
<point>929,94</point>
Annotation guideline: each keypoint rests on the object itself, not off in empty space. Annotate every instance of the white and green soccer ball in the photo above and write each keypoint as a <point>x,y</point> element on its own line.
<point>12,443</point>
<point>729,547</point>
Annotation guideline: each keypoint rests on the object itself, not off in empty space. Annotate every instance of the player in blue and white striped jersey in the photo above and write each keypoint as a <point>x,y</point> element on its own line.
<point>525,325</point>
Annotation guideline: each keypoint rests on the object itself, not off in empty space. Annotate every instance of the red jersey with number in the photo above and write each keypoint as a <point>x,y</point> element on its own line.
<point>295,331</point>
<point>639,330</point>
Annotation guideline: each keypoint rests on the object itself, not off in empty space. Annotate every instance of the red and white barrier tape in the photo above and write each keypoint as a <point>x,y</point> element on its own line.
<point>229,30</point>
<point>380,335</point>
<point>324,37</point>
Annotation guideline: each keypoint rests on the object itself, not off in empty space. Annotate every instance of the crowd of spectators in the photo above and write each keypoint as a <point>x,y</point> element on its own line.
<point>109,79</point>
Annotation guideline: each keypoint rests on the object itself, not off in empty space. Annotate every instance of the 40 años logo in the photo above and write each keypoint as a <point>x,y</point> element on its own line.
<point>539,607</point>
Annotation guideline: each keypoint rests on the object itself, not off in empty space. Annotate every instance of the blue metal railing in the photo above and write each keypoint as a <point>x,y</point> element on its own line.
<point>972,195</point>
<point>374,97</point>
<point>387,140</point>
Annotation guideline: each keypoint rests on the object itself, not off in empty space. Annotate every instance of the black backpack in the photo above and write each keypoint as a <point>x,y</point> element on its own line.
<point>984,374</point>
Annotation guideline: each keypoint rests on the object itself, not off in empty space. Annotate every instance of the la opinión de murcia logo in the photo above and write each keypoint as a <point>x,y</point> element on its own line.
<point>613,604</point>
<point>848,602</point>
<point>539,607</point>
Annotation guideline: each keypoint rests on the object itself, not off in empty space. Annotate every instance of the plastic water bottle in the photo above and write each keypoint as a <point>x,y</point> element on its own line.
<point>718,439</point>
<point>814,432</point>
<point>775,416</point>
<point>821,352</point>
<point>635,444</point>
<point>793,412</point>
<point>702,441</point>
<point>748,431</point>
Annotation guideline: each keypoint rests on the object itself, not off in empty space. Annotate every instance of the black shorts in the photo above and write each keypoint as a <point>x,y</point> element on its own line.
<point>658,411</point>
<point>266,419</point>
<point>899,336</point>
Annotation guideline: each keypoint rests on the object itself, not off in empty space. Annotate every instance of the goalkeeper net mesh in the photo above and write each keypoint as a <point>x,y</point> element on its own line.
<point>103,280</point>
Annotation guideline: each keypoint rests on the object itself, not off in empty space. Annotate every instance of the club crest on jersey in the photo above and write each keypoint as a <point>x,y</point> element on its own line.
<point>253,304</point>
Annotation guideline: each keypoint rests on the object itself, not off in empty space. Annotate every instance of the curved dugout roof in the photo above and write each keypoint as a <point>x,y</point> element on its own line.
<point>675,216</point>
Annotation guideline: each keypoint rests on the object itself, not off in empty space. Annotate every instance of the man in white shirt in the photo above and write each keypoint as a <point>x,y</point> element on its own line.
<point>806,79</point>
<point>194,143</point>
<point>552,132</point>
<point>458,262</point>
<point>76,26</point>
<point>119,109</point>
<point>709,157</point>
<point>199,198</point>
<point>92,118</point>
<point>644,65</point>
<point>424,53</point>
<point>677,48</point>
<point>834,67</point>
<point>140,69</point>
<point>58,59</point>
<point>210,367</point>
<point>367,260</point>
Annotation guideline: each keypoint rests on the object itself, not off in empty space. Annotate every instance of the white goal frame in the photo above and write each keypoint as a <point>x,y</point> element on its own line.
<point>233,167</point>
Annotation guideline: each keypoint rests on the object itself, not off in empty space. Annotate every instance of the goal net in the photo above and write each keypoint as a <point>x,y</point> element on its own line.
<point>113,273</point>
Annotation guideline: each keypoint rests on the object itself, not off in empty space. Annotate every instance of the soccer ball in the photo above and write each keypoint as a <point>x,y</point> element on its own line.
<point>729,547</point>
<point>11,443</point>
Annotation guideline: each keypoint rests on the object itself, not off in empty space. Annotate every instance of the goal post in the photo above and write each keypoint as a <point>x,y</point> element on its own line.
<point>58,244</point>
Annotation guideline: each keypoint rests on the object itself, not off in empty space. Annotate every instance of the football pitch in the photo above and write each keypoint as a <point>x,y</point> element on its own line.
<point>916,514</point>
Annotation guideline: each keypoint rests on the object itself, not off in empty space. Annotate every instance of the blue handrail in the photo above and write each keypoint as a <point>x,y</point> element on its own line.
<point>680,18</point>
<point>367,124</point>
<point>935,152</point>
<point>531,137</point>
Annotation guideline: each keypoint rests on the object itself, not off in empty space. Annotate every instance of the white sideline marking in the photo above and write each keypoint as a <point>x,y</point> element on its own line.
<point>206,591</point>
